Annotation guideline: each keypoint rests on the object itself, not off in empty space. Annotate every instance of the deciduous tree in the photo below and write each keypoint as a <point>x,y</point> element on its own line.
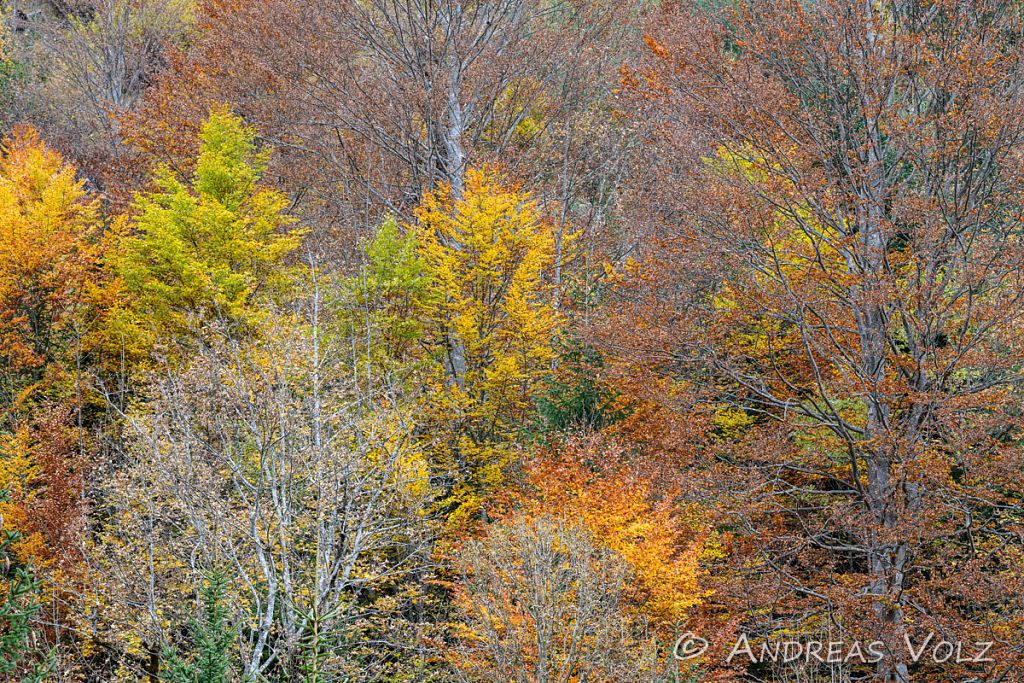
<point>491,321</point>
<point>662,539</point>
<point>49,273</point>
<point>202,251</point>
<point>544,602</point>
<point>388,100</point>
<point>842,266</point>
<point>266,457</point>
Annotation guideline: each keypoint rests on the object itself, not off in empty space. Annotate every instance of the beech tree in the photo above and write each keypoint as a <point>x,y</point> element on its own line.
<point>387,303</point>
<point>388,100</point>
<point>843,266</point>
<point>51,300</point>
<point>266,459</point>
<point>543,602</point>
<point>203,251</point>
<point>491,323</point>
<point>49,272</point>
<point>81,64</point>
<point>663,542</point>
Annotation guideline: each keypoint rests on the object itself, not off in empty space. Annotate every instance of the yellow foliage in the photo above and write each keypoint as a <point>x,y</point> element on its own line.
<point>522,108</point>
<point>409,469</point>
<point>209,249</point>
<point>731,422</point>
<point>48,264</point>
<point>18,475</point>
<point>490,320</point>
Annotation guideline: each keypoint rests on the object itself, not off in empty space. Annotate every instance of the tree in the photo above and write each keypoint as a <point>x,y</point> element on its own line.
<point>270,457</point>
<point>543,602</point>
<point>50,302</point>
<point>576,397</point>
<point>204,251</point>
<point>49,274</point>
<point>491,321</point>
<point>85,62</point>
<point>842,266</point>
<point>22,656</point>
<point>386,302</point>
<point>211,637</point>
<point>52,298</point>
<point>389,100</point>
<point>10,72</point>
<point>662,541</point>
<point>44,472</point>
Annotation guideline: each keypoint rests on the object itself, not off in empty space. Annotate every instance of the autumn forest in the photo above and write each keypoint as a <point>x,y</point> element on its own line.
<point>511,341</point>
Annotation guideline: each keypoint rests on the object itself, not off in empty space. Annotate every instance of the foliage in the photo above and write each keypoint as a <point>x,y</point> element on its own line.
<point>663,543</point>
<point>11,73</point>
<point>22,656</point>
<point>608,321</point>
<point>388,299</point>
<point>575,397</point>
<point>271,456</point>
<point>44,473</point>
<point>841,280</point>
<point>82,62</point>
<point>203,251</point>
<point>542,601</point>
<point>49,229</point>
<point>491,322</point>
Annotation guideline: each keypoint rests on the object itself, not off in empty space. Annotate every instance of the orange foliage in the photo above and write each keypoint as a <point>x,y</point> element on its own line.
<point>44,471</point>
<point>662,539</point>
<point>49,265</point>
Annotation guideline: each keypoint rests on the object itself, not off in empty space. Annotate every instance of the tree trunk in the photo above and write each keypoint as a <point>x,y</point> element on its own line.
<point>886,557</point>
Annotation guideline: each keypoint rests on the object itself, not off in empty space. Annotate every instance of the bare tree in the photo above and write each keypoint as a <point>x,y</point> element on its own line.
<point>543,603</point>
<point>266,459</point>
<point>89,62</point>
